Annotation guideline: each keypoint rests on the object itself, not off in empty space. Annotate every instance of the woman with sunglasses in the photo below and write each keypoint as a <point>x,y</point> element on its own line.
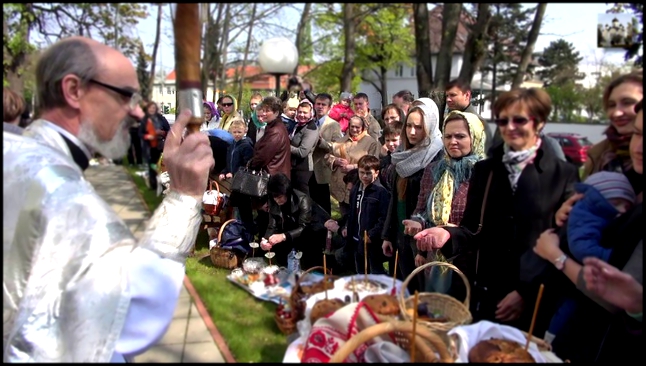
<point>521,186</point>
<point>229,106</point>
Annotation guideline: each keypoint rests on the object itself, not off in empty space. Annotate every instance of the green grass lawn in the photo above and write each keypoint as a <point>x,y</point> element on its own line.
<point>246,324</point>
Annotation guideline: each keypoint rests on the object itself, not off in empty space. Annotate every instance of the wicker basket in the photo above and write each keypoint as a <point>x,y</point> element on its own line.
<point>427,343</point>
<point>225,258</point>
<point>214,209</point>
<point>456,312</point>
<point>286,326</point>
<point>297,297</point>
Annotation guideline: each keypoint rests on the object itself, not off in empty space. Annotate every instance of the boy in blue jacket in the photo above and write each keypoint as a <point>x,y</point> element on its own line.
<point>606,196</point>
<point>368,209</point>
<point>239,152</point>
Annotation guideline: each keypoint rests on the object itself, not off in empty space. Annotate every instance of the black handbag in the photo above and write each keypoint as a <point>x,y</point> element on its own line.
<point>250,182</point>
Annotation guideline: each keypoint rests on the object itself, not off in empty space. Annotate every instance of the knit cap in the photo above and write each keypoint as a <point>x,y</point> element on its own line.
<point>292,102</point>
<point>612,185</point>
<point>346,95</point>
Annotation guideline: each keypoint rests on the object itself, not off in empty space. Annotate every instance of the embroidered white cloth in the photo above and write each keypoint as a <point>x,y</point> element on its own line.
<point>329,334</point>
<point>339,292</point>
<point>470,335</point>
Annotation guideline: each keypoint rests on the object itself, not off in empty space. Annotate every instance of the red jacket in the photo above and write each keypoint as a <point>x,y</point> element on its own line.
<point>335,114</point>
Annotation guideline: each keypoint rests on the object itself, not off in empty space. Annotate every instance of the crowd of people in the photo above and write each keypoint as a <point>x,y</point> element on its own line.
<point>501,204</point>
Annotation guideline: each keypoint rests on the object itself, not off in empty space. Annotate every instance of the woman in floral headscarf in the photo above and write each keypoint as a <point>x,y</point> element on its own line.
<point>443,192</point>
<point>421,145</point>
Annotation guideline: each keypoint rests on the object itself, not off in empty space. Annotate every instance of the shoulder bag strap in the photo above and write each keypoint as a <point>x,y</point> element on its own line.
<point>482,211</point>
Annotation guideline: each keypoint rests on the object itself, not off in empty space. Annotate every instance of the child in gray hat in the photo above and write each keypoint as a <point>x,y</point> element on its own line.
<point>606,196</point>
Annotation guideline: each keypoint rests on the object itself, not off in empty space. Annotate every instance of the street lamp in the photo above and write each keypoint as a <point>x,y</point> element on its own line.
<point>278,56</point>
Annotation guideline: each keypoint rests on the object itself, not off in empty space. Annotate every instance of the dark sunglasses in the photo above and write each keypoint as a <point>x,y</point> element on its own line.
<point>227,104</point>
<point>134,97</point>
<point>518,121</point>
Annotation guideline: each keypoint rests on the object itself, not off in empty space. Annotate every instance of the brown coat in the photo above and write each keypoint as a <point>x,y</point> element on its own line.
<point>272,152</point>
<point>354,150</point>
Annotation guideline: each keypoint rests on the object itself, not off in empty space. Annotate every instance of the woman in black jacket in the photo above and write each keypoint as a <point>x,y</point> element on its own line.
<point>521,187</point>
<point>295,221</point>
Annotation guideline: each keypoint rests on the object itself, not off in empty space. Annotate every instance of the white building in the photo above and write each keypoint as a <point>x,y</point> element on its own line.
<point>164,93</point>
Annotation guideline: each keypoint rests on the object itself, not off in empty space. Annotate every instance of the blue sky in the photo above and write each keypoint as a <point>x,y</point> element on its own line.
<point>576,23</point>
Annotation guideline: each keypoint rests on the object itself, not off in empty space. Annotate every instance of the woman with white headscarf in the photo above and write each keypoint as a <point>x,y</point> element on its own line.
<point>422,144</point>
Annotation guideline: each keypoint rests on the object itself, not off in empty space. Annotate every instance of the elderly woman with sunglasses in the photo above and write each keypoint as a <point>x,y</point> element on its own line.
<point>512,198</point>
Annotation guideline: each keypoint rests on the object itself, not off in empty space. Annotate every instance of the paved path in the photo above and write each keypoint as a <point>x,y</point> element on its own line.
<point>188,338</point>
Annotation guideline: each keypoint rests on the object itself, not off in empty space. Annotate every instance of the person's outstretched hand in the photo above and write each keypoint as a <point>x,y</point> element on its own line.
<point>612,285</point>
<point>188,161</point>
<point>432,238</point>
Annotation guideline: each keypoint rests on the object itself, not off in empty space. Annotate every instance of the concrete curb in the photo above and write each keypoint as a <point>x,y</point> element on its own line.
<point>217,336</point>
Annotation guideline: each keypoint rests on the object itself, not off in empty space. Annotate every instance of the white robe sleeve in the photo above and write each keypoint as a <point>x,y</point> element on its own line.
<point>154,287</point>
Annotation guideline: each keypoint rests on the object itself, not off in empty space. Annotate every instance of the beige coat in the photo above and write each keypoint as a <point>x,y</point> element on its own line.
<point>354,150</point>
<point>374,128</point>
<point>330,132</point>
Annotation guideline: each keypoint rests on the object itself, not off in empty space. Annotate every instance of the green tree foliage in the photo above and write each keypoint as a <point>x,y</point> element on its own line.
<point>559,64</point>
<point>28,24</point>
<point>142,71</point>
<point>508,34</point>
<point>384,40</point>
<point>566,100</point>
<point>112,24</point>
<point>18,20</point>
<point>330,41</point>
<point>632,52</point>
<point>592,101</point>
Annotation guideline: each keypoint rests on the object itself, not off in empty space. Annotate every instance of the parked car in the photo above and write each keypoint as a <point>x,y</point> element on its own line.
<point>575,146</point>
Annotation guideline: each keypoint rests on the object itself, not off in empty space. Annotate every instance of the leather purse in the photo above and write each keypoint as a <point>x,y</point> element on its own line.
<point>250,182</point>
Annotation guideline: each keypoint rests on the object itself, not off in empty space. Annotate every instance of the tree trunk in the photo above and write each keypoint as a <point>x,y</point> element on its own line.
<point>494,59</point>
<point>349,24</point>
<point>475,50</point>
<point>246,53</point>
<point>450,21</point>
<point>384,86</point>
<point>529,48</point>
<point>423,50</point>
<point>15,63</point>
<point>214,56</point>
<point>151,82</point>
<point>223,47</point>
<point>300,33</point>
